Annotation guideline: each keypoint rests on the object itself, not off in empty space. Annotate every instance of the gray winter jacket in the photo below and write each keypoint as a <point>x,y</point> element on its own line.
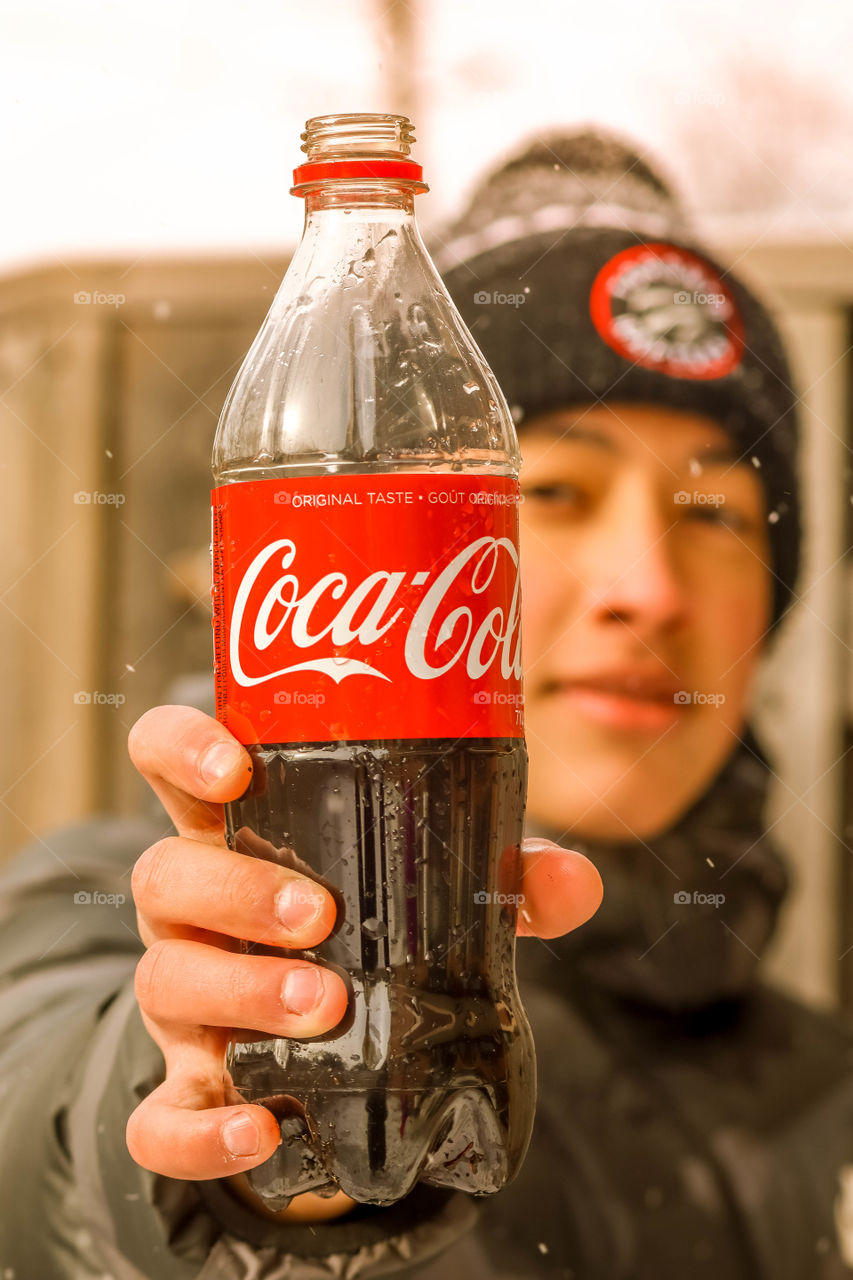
<point>692,1123</point>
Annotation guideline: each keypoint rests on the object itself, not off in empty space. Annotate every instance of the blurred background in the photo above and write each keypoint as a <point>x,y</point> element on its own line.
<point>147,152</point>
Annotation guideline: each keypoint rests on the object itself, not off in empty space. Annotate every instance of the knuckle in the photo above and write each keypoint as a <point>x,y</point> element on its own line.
<point>200,1090</point>
<point>150,874</point>
<point>239,987</point>
<point>136,1132</point>
<point>245,883</point>
<point>152,974</point>
<point>137,739</point>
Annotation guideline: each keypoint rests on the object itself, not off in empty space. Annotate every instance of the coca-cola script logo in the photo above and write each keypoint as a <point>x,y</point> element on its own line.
<point>407,581</point>
<point>275,610</point>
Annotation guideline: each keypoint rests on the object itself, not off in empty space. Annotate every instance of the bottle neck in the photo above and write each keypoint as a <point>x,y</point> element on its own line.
<point>344,224</point>
<point>366,197</point>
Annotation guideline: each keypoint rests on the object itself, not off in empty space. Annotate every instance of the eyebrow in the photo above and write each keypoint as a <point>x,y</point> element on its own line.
<point>724,454</point>
<point>578,431</point>
<point>716,454</point>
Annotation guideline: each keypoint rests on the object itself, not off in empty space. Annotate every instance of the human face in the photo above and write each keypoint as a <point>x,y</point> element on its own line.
<point>632,596</point>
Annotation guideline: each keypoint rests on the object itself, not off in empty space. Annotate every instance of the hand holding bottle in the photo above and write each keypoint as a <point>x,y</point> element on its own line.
<point>195,898</point>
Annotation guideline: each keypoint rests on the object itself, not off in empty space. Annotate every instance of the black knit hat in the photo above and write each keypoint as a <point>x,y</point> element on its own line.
<point>578,275</point>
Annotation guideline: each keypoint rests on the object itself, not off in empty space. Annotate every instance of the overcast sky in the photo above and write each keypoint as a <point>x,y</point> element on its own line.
<point>174,124</point>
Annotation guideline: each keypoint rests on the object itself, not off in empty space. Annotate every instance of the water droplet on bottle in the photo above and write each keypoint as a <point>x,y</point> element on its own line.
<point>471,387</point>
<point>373,928</point>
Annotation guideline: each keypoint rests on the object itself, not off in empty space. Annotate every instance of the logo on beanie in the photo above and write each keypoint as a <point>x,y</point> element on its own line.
<point>666,309</point>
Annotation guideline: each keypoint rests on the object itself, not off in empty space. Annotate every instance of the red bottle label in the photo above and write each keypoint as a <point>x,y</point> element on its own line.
<point>367,606</point>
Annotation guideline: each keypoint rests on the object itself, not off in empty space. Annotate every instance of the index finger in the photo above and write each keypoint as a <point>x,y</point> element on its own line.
<point>193,764</point>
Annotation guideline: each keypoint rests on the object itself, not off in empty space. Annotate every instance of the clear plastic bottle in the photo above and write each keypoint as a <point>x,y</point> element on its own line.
<point>367,650</point>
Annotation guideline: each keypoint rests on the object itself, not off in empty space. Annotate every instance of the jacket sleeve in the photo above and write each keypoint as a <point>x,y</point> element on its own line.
<point>75,1059</point>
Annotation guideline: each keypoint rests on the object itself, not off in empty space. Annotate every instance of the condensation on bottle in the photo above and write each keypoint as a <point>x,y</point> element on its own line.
<point>367,652</point>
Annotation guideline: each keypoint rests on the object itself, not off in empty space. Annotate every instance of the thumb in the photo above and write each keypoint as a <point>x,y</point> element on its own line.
<point>561,889</point>
<point>183,1129</point>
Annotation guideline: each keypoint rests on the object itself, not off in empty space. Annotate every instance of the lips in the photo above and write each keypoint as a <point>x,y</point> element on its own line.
<point>631,682</point>
<point>630,698</point>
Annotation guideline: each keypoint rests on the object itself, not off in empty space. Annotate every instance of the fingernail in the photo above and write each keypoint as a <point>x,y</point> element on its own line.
<point>299,904</point>
<point>539,844</point>
<point>220,760</point>
<point>240,1135</point>
<point>302,989</point>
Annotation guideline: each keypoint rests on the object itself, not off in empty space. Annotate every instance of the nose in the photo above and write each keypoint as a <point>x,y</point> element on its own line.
<point>630,569</point>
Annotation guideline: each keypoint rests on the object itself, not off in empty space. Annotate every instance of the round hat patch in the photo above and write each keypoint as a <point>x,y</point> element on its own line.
<point>666,309</point>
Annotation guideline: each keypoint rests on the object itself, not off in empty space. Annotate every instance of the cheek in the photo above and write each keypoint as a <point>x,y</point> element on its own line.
<point>534,613</point>
<point>733,614</point>
<point>545,598</point>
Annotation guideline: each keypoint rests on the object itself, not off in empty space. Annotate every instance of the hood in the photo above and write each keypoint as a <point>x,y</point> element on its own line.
<point>686,916</point>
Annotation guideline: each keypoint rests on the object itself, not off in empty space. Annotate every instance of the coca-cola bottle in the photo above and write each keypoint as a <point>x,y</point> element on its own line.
<point>367,651</point>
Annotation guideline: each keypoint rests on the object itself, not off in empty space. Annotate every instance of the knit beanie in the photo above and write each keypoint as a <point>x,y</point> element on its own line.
<point>578,275</point>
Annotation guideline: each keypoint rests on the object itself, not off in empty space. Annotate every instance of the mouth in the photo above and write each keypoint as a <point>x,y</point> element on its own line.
<point>629,700</point>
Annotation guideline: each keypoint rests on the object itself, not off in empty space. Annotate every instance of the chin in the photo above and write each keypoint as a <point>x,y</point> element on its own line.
<point>614,795</point>
<point>641,823</point>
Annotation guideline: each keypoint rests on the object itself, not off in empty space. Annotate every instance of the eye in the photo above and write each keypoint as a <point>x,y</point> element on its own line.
<point>556,494</point>
<point>721,514</point>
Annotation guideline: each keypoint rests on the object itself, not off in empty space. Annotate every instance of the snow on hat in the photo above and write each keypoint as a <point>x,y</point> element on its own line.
<point>578,274</point>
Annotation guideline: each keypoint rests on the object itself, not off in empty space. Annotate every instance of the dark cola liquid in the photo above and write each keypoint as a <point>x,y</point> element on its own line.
<point>430,1076</point>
